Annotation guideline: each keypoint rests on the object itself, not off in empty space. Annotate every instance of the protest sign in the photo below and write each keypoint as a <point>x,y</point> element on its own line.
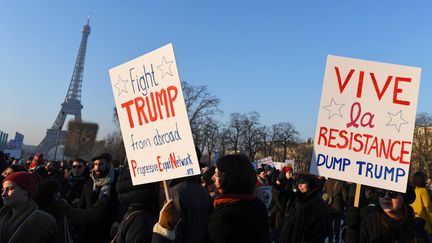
<point>366,122</point>
<point>279,165</point>
<point>266,161</point>
<point>153,118</point>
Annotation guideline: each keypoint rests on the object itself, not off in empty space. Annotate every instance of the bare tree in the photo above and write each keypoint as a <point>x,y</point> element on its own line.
<point>272,143</point>
<point>267,142</point>
<point>115,146</point>
<point>302,155</point>
<point>235,127</point>
<point>198,135</point>
<point>113,142</point>
<point>224,140</point>
<point>424,120</point>
<point>422,145</point>
<point>80,139</point>
<point>200,103</point>
<point>211,131</point>
<point>285,135</point>
<point>252,133</point>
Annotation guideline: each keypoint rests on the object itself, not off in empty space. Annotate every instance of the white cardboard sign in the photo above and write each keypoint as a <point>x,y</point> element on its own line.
<point>365,123</point>
<point>153,118</point>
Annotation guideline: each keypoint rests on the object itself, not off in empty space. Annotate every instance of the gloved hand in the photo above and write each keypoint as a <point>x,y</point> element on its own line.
<point>105,191</point>
<point>169,216</point>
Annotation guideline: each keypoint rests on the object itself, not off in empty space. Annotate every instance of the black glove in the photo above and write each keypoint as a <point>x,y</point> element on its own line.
<point>105,191</point>
<point>353,217</point>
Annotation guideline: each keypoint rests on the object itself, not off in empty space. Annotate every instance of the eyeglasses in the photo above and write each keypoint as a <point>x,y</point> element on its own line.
<point>76,166</point>
<point>392,194</point>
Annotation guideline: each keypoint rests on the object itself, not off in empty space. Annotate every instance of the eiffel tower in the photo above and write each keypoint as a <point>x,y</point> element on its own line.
<point>72,103</point>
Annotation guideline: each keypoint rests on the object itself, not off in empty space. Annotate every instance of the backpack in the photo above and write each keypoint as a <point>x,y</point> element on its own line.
<point>328,197</point>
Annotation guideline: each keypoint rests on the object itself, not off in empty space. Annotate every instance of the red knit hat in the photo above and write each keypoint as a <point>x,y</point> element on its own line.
<point>285,169</point>
<point>27,181</point>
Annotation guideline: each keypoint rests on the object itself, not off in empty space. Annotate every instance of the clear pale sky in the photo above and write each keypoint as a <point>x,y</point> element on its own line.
<point>264,56</point>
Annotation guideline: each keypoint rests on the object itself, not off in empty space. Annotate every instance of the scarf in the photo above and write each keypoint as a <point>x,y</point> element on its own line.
<point>100,182</point>
<point>232,198</point>
<point>74,179</point>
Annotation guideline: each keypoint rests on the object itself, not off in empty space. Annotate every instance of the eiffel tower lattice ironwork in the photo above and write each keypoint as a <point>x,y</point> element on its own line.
<point>72,104</point>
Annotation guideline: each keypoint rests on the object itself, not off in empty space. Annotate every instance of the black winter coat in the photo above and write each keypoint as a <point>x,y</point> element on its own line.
<point>281,194</point>
<point>142,212</point>
<point>193,202</point>
<point>136,227</point>
<point>76,185</point>
<point>99,231</point>
<point>307,219</point>
<point>236,222</point>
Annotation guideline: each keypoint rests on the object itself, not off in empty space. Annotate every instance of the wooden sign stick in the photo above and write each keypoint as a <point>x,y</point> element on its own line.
<point>357,195</point>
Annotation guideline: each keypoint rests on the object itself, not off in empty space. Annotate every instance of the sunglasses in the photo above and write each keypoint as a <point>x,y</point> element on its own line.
<point>76,166</point>
<point>392,194</point>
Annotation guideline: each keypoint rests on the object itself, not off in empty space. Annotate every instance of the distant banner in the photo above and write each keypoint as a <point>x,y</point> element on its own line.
<point>153,118</point>
<point>279,165</point>
<point>365,123</point>
<point>266,161</point>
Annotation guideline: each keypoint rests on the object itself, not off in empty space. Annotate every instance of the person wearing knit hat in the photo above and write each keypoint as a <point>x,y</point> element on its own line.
<point>26,181</point>
<point>288,171</point>
<point>20,216</point>
<point>283,190</point>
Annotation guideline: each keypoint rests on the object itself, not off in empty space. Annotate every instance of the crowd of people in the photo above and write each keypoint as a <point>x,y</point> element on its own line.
<point>95,201</point>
